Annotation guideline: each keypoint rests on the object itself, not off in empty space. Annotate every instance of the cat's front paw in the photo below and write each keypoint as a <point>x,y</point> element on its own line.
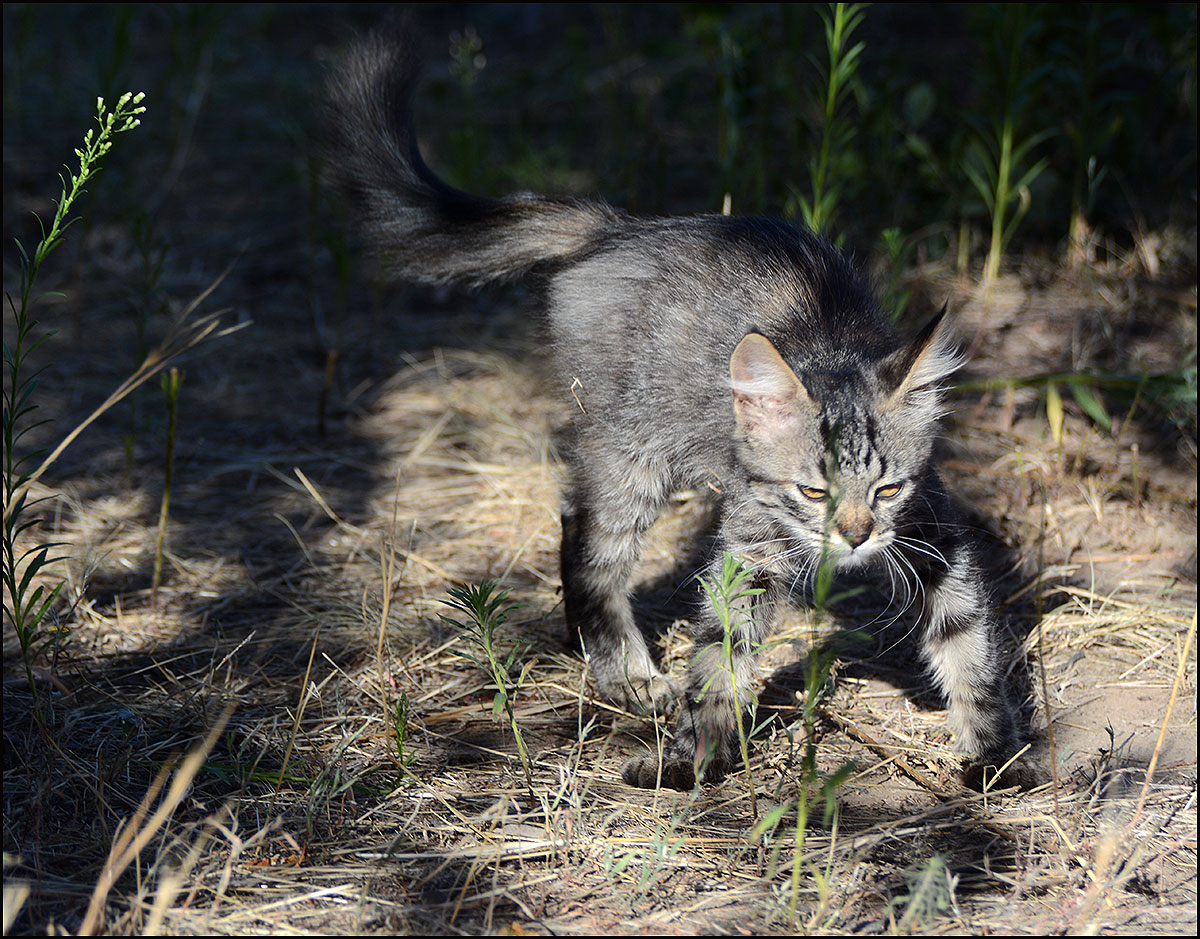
<point>646,772</point>
<point>701,750</point>
<point>678,770</point>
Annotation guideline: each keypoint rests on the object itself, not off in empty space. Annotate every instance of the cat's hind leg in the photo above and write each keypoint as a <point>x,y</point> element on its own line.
<point>603,524</point>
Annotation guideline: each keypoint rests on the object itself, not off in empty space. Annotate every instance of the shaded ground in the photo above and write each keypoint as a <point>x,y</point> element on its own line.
<point>317,525</point>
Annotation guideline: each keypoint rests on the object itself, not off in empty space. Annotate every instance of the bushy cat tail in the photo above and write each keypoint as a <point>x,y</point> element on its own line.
<point>425,230</point>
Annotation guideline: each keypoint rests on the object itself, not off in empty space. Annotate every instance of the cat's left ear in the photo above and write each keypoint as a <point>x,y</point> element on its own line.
<point>931,356</point>
<point>767,395</point>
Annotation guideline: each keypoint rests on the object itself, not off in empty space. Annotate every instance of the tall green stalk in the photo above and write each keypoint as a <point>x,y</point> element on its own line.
<point>836,132</point>
<point>811,785</point>
<point>731,596</point>
<point>26,605</point>
<point>996,163</point>
<point>1003,189</point>
<point>1088,55</point>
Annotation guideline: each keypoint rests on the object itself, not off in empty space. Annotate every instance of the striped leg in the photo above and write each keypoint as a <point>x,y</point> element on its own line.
<point>959,644</point>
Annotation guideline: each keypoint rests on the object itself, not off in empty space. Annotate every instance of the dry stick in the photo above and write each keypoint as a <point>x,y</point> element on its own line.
<point>467,881</point>
<point>171,883</point>
<point>171,383</point>
<point>331,361</point>
<point>134,836</point>
<point>1162,733</point>
<point>903,765</point>
<point>287,753</point>
<point>1037,602</point>
<point>879,749</point>
<point>387,558</point>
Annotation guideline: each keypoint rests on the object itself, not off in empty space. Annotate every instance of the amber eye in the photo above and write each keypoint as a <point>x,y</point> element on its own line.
<point>888,492</point>
<point>815,495</point>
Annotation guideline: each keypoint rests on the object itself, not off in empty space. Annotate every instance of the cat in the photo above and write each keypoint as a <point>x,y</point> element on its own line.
<point>741,354</point>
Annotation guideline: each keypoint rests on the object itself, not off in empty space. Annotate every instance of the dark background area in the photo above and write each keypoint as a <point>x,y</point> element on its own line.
<point>659,109</point>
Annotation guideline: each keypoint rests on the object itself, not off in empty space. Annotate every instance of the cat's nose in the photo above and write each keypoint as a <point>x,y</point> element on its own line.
<point>855,530</point>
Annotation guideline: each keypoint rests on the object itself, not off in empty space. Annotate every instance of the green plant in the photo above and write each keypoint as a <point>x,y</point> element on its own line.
<point>468,167</point>
<point>811,783</point>
<point>1088,53</point>
<point>1169,396</point>
<point>322,233</point>
<point>731,597</point>
<point>486,611</point>
<point>729,113</point>
<point>829,167</point>
<point>400,734</point>
<point>898,249</point>
<point>144,303</point>
<point>756,98</point>
<point>649,865</point>
<point>333,780</point>
<point>930,896</point>
<point>997,159</point>
<point>27,605</point>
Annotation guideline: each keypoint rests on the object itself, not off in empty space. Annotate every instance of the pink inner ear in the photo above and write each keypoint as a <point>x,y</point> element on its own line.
<point>766,391</point>
<point>759,371</point>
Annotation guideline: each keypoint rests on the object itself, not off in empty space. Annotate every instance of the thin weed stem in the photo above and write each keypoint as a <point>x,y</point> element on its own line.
<point>171,382</point>
<point>828,177</point>
<point>728,593</point>
<point>28,603</point>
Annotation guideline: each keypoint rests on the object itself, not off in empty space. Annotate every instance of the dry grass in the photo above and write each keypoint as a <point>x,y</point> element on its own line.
<point>222,758</point>
<point>300,818</point>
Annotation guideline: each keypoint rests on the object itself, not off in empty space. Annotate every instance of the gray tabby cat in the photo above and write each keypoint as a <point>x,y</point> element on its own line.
<point>740,353</point>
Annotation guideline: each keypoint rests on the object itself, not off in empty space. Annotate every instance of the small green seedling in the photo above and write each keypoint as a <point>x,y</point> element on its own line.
<point>486,611</point>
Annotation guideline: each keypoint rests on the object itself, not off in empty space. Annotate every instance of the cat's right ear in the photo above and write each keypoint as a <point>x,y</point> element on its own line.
<point>913,372</point>
<point>767,395</point>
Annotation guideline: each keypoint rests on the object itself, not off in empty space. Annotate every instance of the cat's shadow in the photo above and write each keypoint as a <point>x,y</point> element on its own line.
<point>676,594</point>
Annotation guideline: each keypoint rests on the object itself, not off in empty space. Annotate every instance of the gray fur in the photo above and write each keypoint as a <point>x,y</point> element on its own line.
<point>741,353</point>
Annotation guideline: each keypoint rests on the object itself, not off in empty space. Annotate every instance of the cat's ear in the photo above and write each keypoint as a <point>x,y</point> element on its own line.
<point>767,395</point>
<point>917,368</point>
